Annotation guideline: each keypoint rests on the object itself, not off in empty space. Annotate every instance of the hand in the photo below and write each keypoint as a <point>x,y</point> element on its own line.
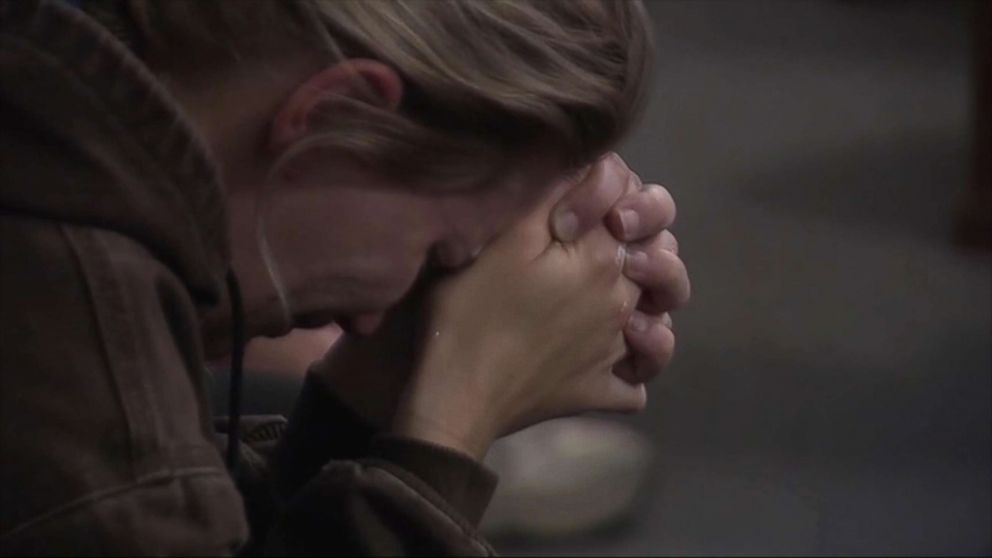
<point>637,214</point>
<point>529,332</point>
<point>368,373</point>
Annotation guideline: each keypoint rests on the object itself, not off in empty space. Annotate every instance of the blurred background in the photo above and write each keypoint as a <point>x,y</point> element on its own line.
<point>832,384</point>
<point>832,388</point>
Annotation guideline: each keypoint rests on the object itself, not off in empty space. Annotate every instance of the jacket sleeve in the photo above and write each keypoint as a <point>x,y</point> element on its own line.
<point>107,445</point>
<point>325,483</point>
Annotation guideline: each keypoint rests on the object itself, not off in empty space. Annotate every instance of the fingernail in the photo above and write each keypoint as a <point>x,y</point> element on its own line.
<point>636,260</point>
<point>638,322</point>
<point>628,220</point>
<point>566,225</point>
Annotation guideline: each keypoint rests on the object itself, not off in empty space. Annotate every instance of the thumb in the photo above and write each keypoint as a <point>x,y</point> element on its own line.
<point>586,204</point>
<point>530,236</point>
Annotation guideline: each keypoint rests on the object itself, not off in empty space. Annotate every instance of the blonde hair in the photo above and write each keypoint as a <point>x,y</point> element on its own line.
<point>485,81</point>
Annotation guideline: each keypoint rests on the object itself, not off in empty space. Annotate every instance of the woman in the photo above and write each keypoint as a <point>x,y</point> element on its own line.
<point>156,154</point>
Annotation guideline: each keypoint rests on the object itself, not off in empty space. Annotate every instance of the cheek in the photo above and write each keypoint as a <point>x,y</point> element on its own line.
<point>348,248</point>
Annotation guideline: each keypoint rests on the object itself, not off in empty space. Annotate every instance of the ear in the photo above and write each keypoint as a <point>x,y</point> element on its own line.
<point>368,81</point>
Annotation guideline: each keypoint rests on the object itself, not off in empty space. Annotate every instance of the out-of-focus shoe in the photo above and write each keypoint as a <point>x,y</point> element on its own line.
<point>566,476</point>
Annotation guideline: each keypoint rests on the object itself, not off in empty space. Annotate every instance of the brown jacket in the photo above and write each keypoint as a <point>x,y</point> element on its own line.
<point>112,244</point>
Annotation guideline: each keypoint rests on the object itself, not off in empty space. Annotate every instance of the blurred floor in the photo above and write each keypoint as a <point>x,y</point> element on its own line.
<point>831,392</point>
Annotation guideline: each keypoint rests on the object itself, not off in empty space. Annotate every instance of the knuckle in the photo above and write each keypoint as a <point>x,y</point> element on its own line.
<point>672,279</point>
<point>666,347</point>
<point>608,260</point>
<point>662,198</point>
<point>657,355</point>
<point>669,242</point>
<point>686,294</point>
<point>619,256</point>
<point>615,159</point>
<point>634,184</point>
<point>620,308</point>
<point>671,268</point>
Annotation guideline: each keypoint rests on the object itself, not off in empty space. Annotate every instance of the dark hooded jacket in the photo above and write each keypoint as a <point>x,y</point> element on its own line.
<point>112,246</point>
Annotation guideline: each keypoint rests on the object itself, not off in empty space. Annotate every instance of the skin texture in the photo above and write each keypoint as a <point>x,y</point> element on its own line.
<point>530,331</point>
<point>639,215</point>
<point>348,245</point>
<point>355,248</point>
<point>548,291</point>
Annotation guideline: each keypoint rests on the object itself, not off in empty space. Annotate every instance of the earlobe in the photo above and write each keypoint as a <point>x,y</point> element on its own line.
<point>364,80</point>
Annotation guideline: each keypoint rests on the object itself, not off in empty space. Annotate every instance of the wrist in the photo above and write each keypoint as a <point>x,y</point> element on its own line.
<point>452,422</point>
<point>442,433</point>
<point>446,402</point>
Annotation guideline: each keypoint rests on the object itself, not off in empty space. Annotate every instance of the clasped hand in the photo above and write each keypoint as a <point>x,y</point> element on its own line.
<point>564,313</point>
